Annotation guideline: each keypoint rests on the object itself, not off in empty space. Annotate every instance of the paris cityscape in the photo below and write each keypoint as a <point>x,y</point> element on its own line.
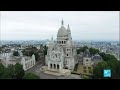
<point>34,47</point>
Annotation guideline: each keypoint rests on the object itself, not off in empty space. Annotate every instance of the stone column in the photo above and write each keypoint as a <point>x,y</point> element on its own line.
<point>60,67</point>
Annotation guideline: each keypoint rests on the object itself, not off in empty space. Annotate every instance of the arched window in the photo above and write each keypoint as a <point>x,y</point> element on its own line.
<point>31,63</point>
<point>67,54</point>
<point>50,65</point>
<point>56,55</point>
<point>57,66</point>
<point>54,66</point>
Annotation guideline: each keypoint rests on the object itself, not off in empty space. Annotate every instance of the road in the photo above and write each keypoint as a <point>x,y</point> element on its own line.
<point>36,69</point>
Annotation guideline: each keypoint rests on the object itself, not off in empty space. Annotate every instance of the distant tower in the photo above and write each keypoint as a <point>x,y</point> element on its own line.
<point>62,23</point>
<point>69,32</point>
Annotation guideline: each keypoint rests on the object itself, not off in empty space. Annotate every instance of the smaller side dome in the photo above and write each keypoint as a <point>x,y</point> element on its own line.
<point>68,29</point>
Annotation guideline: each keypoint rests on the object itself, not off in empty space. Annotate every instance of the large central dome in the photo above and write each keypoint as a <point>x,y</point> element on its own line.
<point>62,32</point>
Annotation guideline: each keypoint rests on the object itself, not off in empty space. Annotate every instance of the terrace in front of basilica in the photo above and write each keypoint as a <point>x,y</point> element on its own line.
<point>55,71</point>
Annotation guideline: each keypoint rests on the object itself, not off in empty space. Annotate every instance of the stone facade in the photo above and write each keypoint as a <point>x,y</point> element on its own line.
<point>61,53</point>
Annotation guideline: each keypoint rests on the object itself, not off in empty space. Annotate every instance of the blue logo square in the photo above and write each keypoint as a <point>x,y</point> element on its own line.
<point>107,73</point>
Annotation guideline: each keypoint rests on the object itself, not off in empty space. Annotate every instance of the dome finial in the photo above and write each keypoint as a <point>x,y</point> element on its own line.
<point>62,23</point>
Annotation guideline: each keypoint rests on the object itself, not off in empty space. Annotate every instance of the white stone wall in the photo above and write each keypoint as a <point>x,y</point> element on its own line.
<point>28,63</point>
<point>55,58</point>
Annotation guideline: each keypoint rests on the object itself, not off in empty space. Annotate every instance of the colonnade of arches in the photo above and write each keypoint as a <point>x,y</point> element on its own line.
<point>54,66</point>
<point>61,42</point>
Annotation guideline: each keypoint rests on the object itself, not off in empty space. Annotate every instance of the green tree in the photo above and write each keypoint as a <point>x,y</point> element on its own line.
<point>113,64</point>
<point>85,77</point>
<point>45,50</point>
<point>16,53</point>
<point>82,49</point>
<point>19,72</point>
<point>6,74</point>
<point>2,70</point>
<point>107,57</point>
<point>30,76</point>
<point>93,51</point>
<point>31,53</point>
<point>98,70</point>
<point>11,71</point>
<point>118,70</point>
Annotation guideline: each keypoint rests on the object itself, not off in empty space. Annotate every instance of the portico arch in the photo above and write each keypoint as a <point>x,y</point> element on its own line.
<point>50,65</point>
<point>54,66</point>
<point>57,66</point>
<point>62,42</point>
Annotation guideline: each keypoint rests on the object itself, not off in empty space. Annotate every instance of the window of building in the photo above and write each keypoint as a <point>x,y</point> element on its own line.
<point>57,66</point>
<point>89,67</point>
<point>84,71</point>
<point>86,60</point>
<point>54,66</point>
<point>50,65</point>
<point>62,42</point>
<point>67,54</point>
<point>31,63</point>
<point>90,71</point>
<point>56,55</point>
<point>84,67</point>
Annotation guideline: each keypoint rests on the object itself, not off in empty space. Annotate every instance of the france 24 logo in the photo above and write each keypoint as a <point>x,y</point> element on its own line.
<point>107,73</point>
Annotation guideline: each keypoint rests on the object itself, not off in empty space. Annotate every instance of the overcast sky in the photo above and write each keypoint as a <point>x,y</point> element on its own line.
<point>40,25</point>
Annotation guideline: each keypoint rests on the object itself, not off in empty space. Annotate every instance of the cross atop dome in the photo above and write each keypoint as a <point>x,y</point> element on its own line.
<point>62,23</point>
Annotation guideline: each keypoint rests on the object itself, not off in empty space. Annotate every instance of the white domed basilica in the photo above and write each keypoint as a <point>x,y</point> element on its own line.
<point>61,53</point>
